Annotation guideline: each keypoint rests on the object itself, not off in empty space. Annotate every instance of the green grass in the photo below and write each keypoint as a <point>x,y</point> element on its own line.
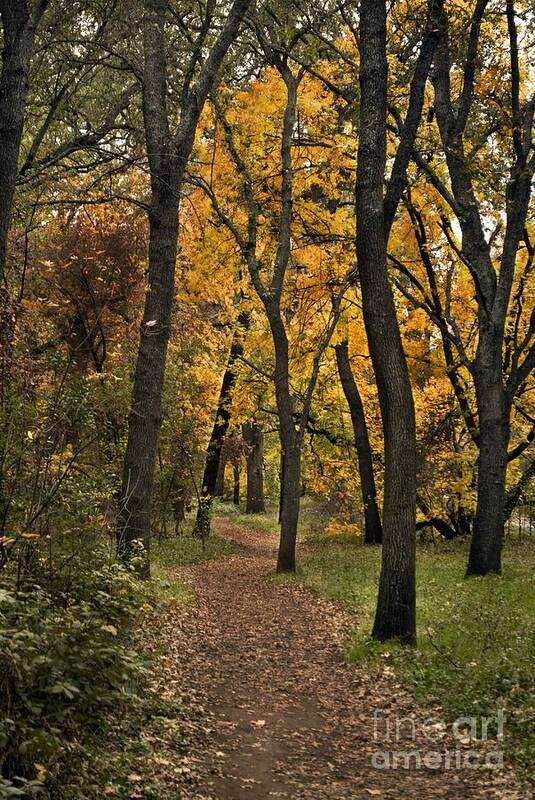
<point>309,518</point>
<point>476,637</point>
<point>265,522</point>
<point>180,551</point>
<point>183,551</point>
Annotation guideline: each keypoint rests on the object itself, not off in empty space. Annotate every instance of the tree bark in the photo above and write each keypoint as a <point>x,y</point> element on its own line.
<point>19,26</point>
<point>495,356</point>
<point>219,490</point>
<point>291,494</point>
<point>222,419</point>
<point>494,433</point>
<point>236,489</point>
<point>168,157</point>
<point>145,416</point>
<point>291,444</point>
<point>254,438</point>
<point>281,485</point>
<point>373,531</point>
<point>396,607</point>
<point>457,524</point>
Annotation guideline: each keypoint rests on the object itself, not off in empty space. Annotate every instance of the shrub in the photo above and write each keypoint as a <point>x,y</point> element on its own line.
<point>64,660</point>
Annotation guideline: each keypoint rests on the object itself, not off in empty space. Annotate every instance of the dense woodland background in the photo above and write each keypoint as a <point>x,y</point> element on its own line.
<point>299,273</point>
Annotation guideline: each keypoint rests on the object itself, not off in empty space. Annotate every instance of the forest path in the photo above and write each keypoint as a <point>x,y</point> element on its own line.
<point>281,712</point>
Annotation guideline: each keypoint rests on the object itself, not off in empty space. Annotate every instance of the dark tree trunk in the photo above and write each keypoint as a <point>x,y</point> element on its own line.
<point>290,441</point>
<point>168,156</point>
<point>291,495</point>
<point>281,488</point>
<point>440,525</point>
<point>497,370</point>
<point>254,438</point>
<point>489,520</point>
<point>219,490</point>
<point>222,419</point>
<point>396,606</point>
<point>494,434</point>
<point>373,532</point>
<point>19,25</point>
<point>457,524</point>
<point>462,521</point>
<point>236,489</point>
<point>145,415</point>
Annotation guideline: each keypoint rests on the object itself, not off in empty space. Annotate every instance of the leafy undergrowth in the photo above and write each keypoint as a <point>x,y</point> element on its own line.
<point>476,637</point>
<point>79,720</point>
<point>65,659</point>
<point>134,755</point>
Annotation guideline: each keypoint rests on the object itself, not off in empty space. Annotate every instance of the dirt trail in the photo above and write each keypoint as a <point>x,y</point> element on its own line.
<point>281,713</point>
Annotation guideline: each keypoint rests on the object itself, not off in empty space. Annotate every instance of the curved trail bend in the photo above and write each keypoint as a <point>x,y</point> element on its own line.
<point>281,712</point>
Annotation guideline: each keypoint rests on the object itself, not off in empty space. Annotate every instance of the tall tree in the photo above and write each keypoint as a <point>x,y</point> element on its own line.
<point>253,436</point>
<point>396,604</point>
<point>20,20</point>
<point>269,282</point>
<point>494,390</point>
<point>373,531</point>
<point>212,467</point>
<point>168,153</point>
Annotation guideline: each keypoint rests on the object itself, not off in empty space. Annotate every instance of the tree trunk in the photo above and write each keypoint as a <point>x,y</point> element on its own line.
<point>373,532</point>
<point>494,413</point>
<point>168,155</point>
<point>447,531</point>
<point>19,26</point>
<point>281,485</point>
<point>19,32</point>
<point>145,416</point>
<point>457,524</point>
<point>236,490</point>
<point>222,419</point>
<point>291,494</point>
<point>396,605</point>
<point>494,387</point>
<point>219,490</point>
<point>254,438</point>
<point>290,441</point>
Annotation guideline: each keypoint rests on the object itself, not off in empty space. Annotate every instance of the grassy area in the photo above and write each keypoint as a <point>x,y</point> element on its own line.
<point>475,637</point>
<point>309,517</point>
<point>181,551</point>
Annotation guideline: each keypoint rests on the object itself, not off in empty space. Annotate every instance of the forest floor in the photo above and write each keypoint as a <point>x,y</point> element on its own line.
<point>274,710</point>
